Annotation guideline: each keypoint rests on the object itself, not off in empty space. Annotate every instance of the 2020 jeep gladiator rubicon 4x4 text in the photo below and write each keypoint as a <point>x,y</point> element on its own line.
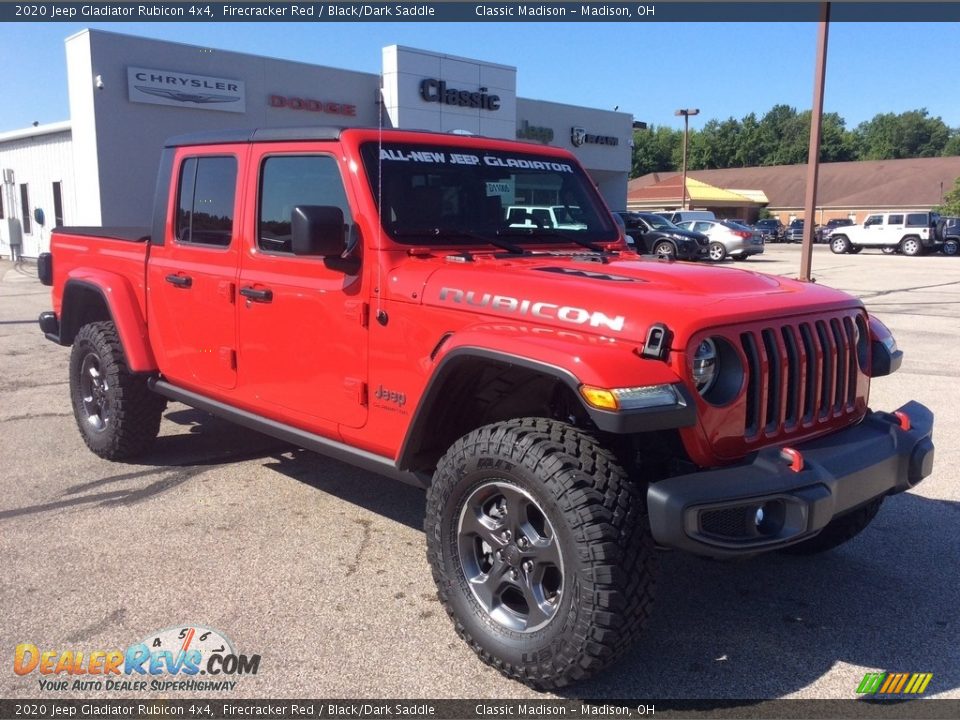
<point>568,405</point>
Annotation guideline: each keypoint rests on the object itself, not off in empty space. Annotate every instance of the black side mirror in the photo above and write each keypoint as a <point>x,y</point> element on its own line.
<point>317,230</point>
<point>39,217</point>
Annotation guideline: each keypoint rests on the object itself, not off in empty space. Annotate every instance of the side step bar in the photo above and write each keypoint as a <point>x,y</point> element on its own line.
<point>295,436</point>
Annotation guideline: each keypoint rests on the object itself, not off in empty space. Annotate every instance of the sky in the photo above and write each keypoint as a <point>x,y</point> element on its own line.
<point>648,70</point>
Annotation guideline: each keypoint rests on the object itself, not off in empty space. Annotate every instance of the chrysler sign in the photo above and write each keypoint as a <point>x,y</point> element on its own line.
<point>168,87</point>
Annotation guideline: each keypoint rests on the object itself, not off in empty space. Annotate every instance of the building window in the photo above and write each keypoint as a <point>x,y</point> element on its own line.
<point>205,200</point>
<point>25,209</point>
<point>57,205</point>
<point>1,202</point>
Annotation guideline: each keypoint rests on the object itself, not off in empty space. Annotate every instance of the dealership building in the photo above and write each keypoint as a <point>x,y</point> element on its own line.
<point>128,94</point>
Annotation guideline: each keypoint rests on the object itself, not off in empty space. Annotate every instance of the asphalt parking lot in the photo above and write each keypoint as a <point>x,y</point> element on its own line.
<point>320,568</point>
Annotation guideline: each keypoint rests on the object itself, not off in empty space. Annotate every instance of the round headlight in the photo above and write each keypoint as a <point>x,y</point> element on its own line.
<point>705,366</point>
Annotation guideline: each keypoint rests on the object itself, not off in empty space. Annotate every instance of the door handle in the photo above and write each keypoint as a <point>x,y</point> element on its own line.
<point>183,281</point>
<point>257,295</point>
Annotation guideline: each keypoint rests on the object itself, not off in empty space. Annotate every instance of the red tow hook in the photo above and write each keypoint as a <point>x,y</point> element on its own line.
<point>794,458</point>
<point>904,420</point>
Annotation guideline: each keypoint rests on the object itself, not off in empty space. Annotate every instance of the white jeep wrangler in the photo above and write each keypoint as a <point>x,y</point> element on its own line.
<point>911,233</point>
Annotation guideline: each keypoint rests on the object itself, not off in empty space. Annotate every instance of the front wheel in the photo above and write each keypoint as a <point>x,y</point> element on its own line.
<point>839,245</point>
<point>541,550</point>
<point>717,251</point>
<point>665,249</point>
<point>117,415</point>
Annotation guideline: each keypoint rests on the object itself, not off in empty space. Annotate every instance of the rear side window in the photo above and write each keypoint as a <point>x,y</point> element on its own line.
<point>287,181</point>
<point>205,200</point>
<point>895,220</point>
<point>917,220</point>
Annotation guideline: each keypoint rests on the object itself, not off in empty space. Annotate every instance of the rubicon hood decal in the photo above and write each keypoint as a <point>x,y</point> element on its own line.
<point>533,308</point>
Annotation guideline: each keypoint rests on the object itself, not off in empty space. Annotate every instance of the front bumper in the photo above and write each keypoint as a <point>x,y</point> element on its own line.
<point>715,512</point>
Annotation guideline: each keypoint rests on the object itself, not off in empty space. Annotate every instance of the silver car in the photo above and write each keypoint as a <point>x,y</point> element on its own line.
<point>727,238</point>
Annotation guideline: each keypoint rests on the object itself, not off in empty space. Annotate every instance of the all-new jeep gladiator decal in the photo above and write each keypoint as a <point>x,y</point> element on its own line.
<point>464,314</point>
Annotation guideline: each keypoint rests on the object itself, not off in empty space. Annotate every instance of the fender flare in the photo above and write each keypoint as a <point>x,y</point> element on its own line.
<point>551,358</point>
<point>124,310</point>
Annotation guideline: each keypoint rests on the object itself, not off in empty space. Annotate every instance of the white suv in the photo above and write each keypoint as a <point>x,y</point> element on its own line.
<point>562,217</point>
<point>901,230</point>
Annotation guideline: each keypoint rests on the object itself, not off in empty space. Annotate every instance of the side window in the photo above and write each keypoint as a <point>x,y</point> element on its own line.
<point>287,181</point>
<point>873,220</point>
<point>917,220</point>
<point>205,200</point>
<point>702,227</point>
<point>895,220</point>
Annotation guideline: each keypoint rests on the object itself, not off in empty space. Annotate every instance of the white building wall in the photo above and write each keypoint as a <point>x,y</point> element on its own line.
<point>38,158</point>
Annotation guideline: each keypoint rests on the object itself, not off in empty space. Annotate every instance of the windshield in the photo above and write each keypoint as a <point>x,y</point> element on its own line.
<point>441,195</point>
<point>658,222</point>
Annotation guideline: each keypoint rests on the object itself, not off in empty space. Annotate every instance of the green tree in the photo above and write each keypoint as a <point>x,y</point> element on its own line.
<point>910,134</point>
<point>951,201</point>
<point>952,148</point>
<point>654,149</point>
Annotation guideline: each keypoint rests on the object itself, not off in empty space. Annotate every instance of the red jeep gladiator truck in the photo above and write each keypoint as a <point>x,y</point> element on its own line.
<point>569,406</point>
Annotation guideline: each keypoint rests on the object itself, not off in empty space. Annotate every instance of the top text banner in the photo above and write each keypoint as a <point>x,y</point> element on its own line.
<point>478,12</point>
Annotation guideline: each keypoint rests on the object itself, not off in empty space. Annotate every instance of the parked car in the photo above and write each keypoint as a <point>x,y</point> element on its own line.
<point>912,233</point>
<point>679,216</point>
<point>948,235</point>
<point>823,233</point>
<point>560,217</point>
<point>794,232</point>
<point>655,234</point>
<point>727,238</point>
<point>771,229</point>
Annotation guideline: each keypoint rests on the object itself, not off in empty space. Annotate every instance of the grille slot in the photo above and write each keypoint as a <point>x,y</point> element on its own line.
<point>799,374</point>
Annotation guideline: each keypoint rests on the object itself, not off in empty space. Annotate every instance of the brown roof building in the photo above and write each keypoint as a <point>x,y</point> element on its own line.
<point>846,189</point>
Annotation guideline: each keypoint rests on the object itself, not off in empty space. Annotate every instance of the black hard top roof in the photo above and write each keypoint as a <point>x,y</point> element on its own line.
<point>281,134</point>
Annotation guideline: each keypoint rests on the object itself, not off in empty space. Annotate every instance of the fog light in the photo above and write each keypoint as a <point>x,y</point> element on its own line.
<point>770,517</point>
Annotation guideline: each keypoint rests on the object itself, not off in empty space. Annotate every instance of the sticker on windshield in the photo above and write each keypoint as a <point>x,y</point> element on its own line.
<point>434,157</point>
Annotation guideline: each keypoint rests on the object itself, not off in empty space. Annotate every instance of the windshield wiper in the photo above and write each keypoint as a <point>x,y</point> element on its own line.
<point>547,232</point>
<point>497,241</point>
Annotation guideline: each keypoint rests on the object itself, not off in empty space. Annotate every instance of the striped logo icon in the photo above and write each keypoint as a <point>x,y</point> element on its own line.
<point>894,683</point>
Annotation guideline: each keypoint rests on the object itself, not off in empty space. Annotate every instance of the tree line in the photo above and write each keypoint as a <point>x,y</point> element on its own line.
<point>782,136</point>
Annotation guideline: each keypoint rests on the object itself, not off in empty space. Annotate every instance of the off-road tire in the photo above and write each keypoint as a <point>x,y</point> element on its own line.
<point>839,245</point>
<point>911,247</point>
<point>717,251</point>
<point>599,521</point>
<point>838,530</point>
<point>127,420</point>
<point>951,247</point>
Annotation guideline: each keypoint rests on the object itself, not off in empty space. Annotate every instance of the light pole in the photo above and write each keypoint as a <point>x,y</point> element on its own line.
<point>686,112</point>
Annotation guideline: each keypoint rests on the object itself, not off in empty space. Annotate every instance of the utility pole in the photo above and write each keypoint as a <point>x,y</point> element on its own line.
<point>813,155</point>
<point>686,113</point>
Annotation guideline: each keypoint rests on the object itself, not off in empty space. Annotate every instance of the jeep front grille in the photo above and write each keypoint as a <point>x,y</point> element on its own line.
<point>800,374</point>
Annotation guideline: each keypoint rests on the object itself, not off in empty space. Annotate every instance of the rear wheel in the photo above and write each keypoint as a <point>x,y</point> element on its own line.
<point>541,550</point>
<point>838,530</point>
<point>951,247</point>
<point>117,415</point>
<point>717,251</point>
<point>665,249</point>
<point>911,246</point>
<point>840,245</point>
